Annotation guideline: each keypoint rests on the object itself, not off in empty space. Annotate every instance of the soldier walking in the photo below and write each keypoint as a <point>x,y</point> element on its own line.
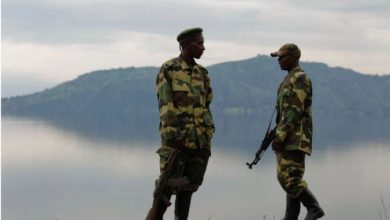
<point>293,136</point>
<point>186,126</point>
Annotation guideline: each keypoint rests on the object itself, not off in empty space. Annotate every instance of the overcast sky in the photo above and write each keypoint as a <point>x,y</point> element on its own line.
<point>45,42</point>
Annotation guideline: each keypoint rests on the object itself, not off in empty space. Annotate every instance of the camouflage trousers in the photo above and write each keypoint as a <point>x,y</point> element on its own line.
<point>290,170</point>
<point>192,163</point>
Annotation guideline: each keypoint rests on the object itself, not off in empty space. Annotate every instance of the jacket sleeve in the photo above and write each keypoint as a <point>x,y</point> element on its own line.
<point>209,98</point>
<point>168,116</point>
<point>209,92</point>
<point>292,107</point>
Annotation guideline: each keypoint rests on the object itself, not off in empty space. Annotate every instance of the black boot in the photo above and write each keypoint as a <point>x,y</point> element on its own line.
<point>182,205</point>
<point>293,207</point>
<point>314,211</point>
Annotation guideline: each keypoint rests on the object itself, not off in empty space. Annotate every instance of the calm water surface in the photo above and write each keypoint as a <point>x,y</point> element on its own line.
<point>50,174</point>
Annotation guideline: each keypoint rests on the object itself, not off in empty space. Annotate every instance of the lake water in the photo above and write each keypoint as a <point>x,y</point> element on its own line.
<point>49,173</point>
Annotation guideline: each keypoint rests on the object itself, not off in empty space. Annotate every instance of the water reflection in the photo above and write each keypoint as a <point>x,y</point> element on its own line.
<point>241,132</point>
<point>50,173</point>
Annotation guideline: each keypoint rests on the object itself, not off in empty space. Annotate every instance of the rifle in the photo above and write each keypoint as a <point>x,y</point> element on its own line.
<point>268,138</point>
<point>165,180</point>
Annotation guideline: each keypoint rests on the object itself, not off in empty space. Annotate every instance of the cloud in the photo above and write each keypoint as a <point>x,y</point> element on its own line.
<point>29,67</point>
<point>90,21</point>
<point>59,39</point>
<point>61,61</point>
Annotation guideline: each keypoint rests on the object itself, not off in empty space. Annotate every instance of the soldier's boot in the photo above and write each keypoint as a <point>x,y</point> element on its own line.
<point>293,207</point>
<point>314,211</point>
<point>182,205</point>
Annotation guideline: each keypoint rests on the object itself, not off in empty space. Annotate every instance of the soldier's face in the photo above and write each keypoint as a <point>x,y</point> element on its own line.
<point>287,62</point>
<point>196,47</point>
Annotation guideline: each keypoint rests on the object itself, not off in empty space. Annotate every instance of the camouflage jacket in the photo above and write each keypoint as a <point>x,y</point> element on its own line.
<point>184,96</point>
<point>294,117</point>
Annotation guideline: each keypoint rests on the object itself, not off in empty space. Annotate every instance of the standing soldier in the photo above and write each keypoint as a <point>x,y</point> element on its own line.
<point>293,137</point>
<point>186,126</point>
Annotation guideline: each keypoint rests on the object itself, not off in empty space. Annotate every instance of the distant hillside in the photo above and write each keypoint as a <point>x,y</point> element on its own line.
<point>243,89</point>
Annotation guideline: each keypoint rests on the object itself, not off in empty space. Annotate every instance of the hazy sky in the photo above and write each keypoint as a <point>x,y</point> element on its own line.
<point>45,42</point>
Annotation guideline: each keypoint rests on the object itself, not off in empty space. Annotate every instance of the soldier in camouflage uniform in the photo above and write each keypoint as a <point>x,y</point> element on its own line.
<point>184,96</point>
<point>293,138</point>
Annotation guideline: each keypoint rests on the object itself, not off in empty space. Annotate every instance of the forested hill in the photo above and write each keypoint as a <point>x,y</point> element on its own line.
<point>241,89</point>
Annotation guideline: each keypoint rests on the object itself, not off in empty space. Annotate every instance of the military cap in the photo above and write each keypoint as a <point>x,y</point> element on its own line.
<point>288,49</point>
<point>189,34</point>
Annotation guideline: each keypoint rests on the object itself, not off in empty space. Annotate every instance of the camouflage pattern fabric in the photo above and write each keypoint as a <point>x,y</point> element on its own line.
<point>294,117</point>
<point>290,170</point>
<point>192,163</point>
<point>184,95</point>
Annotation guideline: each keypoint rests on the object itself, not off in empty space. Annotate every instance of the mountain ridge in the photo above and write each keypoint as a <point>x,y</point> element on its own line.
<point>250,83</point>
<point>122,101</point>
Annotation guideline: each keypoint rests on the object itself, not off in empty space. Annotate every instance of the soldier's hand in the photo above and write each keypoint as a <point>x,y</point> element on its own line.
<point>277,146</point>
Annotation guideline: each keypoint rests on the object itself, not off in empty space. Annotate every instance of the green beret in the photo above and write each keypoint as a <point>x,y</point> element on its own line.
<point>189,34</point>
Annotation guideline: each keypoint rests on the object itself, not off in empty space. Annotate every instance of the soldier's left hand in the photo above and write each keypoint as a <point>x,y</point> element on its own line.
<point>277,146</point>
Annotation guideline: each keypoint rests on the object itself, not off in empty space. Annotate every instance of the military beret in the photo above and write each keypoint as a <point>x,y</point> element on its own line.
<point>189,34</point>
<point>288,49</point>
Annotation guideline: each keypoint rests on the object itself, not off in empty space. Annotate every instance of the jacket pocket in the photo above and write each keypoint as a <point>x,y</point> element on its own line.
<point>164,153</point>
<point>181,94</point>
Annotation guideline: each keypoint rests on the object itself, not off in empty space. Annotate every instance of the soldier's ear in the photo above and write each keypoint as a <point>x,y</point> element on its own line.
<point>185,44</point>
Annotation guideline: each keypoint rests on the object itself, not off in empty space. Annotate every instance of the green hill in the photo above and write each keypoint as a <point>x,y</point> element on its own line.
<point>124,100</point>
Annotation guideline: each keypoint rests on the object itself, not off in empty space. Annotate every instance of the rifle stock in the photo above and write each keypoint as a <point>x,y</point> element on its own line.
<point>164,181</point>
